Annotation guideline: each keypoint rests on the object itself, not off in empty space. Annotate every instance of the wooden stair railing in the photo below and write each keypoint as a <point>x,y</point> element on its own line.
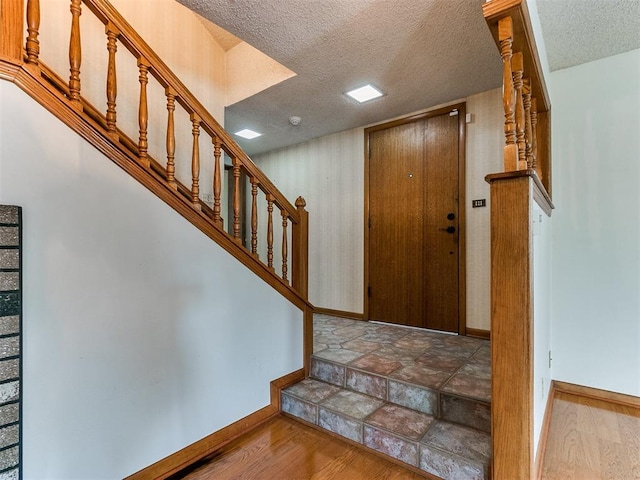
<point>526,179</point>
<point>20,62</point>
<point>525,97</point>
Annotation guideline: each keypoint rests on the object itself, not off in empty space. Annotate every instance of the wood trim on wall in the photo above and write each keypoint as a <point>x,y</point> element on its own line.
<point>597,394</point>
<point>479,333</point>
<point>544,431</point>
<point>462,223</point>
<point>339,313</point>
<point>462,264</point>
<point>206,446</point>
<point>307,342</point>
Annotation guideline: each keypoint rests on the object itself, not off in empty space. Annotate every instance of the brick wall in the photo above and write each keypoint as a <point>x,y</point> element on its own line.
<point>10,341</point>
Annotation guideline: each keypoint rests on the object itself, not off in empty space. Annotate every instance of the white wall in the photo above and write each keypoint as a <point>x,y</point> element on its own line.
<point>329,173</point>
<point>543,289</point>
<point>138,336</point>
<point>596,233</point>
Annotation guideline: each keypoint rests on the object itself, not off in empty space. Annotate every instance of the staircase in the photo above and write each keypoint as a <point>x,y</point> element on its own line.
<point>420,397</point>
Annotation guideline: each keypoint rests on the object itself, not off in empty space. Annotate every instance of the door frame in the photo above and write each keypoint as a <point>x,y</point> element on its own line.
<point>462,245</point>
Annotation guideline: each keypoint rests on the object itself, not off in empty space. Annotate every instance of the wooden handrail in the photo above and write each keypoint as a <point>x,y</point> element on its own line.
<point>105,122</point>
<point>139,48</point>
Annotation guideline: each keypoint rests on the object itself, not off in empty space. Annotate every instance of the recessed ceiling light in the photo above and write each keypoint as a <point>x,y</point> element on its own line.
<point>364,94</point>
<point>248,134</point>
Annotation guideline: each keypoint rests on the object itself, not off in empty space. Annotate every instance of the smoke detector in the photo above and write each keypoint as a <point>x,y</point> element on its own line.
<point>295,120</point>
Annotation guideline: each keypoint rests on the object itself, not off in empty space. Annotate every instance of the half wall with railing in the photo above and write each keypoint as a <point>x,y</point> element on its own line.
<point>525,181</point>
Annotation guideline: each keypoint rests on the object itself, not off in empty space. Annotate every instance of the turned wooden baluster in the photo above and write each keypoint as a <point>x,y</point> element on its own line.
<point>33,25</point>
<point>236,200</point>
<point>171,137</point>
<point>143,114</point>
<point>254,216</point>
<point>505,34</point>
<point>195,161</point>
<point>112,83</point>
<point>517,65</point>
<point>526,100</point>
<point>285,222</point>
<point>217,183</point>
<point>534,133</point>
<point>270,231</point>
<point>75,52</point>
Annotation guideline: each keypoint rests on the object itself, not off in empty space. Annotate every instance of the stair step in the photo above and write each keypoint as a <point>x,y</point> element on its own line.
<point>445,395</point>
<point>442,448</point>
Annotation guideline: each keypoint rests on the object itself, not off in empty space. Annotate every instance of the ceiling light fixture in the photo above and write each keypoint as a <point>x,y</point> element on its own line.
<point>248,134</point>
<point>364,94</point>
<point>295,120</point>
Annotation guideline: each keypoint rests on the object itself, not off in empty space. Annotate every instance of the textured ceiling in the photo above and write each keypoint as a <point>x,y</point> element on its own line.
<point>419,52</point>
<point>580,31</point>
<point>225,39</point>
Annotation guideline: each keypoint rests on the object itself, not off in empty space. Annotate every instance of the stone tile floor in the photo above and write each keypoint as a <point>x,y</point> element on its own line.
<point>455,364</point>
<point>421,397</point>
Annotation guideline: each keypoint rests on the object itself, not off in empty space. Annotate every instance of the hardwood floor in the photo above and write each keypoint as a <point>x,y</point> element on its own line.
<point>590,440</point>
<point>285,449</point>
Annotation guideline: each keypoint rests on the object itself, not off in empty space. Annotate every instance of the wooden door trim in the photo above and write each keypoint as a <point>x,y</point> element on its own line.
<point>462,291</point>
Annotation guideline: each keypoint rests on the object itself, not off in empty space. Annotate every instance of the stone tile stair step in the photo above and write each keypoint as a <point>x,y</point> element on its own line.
<point>447,396</point>
<point>442,448</point>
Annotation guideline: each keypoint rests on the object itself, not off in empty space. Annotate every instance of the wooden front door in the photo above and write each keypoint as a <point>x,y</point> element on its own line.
<point>414,254</point>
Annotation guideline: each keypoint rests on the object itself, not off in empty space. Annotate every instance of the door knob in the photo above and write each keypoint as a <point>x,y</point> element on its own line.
<point>449,229</point>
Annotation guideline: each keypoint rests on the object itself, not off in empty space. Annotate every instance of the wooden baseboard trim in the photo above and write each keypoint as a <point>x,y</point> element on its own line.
<point>339,313</point>
<point>544,432</point>
<point>597,394</point>
<point>281,383</point>
<point>479,333</point>
<point>206,446</point>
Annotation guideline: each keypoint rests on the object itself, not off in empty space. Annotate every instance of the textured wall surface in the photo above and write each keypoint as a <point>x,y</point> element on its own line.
<point>10,340</point>
<point>484,155</point>
<point>329,173</point>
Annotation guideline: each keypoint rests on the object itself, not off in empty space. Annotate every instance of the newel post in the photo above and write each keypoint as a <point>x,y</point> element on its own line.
<point>512,324</point>
<point>300,254</point>
<point>300,277</point>
<point>12,31</point>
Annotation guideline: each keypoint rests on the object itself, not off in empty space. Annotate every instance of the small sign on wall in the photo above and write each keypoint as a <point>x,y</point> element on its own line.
<point>482,202</point>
